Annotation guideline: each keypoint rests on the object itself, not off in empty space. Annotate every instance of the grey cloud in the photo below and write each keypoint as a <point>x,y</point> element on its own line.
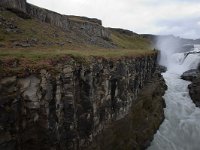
<point>184,27</point>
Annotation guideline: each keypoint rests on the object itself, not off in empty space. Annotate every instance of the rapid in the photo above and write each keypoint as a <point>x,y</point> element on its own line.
<point>181,128</point>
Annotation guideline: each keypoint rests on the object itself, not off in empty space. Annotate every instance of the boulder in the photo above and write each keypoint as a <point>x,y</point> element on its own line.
<point>190,75</point>
<point>194,89</point>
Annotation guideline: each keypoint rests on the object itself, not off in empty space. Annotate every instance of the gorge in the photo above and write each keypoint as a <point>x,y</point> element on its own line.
<point>69,83</point>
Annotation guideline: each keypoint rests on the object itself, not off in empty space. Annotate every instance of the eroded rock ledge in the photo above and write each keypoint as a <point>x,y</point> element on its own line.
<point>83,106</point>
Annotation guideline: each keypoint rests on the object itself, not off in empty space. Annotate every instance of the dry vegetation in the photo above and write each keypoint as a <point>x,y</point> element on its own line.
<point>40,54</point>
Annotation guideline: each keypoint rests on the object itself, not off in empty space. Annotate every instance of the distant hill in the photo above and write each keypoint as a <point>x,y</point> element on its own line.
<point>23,25</point>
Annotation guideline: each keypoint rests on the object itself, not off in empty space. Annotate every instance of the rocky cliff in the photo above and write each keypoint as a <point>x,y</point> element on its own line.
<point>72,107</point>
<point>16,5</point>
<point>86,26</point>
<point>48,16</point>
<point>135,131</point>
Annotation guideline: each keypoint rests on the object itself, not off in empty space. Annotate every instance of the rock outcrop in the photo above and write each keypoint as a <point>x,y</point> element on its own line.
<point>194,88</point>
<point>48,16</point>
<point>90,27</point>
<point>190,75</point>
<point>16,5</point>
<point>123,31</point>
<point>71,107</point>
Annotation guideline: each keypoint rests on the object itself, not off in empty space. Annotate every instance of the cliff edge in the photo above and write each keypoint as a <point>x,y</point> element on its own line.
<point>83,106</point>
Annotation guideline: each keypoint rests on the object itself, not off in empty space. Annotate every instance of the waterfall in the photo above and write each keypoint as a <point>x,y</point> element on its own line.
<point>181,128</point>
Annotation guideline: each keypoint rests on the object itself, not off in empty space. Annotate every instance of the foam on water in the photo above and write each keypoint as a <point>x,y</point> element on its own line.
<point>181,127</point>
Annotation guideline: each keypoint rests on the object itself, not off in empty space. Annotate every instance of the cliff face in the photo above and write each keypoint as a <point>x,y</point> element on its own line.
<point>70,108</point>
<point>48,16</point>
<point>90,27</point>
<point>135,131</point>
<point>17,5</point>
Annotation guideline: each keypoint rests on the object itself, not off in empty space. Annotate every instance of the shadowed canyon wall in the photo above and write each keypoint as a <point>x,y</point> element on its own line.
<point>70,108</point>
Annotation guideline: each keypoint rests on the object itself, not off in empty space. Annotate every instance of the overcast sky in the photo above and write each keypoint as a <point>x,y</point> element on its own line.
<point>178,17</point>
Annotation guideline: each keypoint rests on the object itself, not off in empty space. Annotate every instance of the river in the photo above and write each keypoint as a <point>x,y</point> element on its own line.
<point>181,127</point>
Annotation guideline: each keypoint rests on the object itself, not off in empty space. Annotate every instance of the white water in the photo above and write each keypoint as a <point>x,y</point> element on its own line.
<point>181,127</point>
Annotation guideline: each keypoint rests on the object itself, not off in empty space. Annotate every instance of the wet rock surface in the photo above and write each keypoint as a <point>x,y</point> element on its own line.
<point>68,110</point>
<point>190,75</point>
<point>194,88</point>
<point>194,91</point>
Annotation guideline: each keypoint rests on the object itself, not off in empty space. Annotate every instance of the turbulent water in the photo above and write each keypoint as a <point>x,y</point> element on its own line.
<point>181,127</point>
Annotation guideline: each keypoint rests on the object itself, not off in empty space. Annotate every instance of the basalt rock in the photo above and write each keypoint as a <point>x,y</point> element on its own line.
<point>72,108</point>
<point>16,5</point>
<point>194,89</point>
<point>48,16</point>
<point>135,131</point>
<point>190,75</point>
<point>161,68</point>
<point>90,27</point>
